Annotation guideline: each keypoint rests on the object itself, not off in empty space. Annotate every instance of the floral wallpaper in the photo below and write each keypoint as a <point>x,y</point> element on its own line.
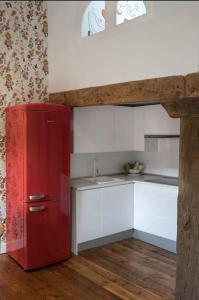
<point>23,67</point>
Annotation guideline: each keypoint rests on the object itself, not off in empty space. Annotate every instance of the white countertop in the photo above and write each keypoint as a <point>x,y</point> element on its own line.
<point>83,183</point>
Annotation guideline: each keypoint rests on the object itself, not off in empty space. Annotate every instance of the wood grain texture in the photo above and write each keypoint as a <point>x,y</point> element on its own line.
<point>187,275</point>
<point>185,108</point>
<point>128,269</point>
<point>192,85</point>
<point>188,212</point>
<point>157,90</point>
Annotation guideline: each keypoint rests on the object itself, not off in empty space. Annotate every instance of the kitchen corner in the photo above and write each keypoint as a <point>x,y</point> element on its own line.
<point>111,208</point>
<point>110,201</point>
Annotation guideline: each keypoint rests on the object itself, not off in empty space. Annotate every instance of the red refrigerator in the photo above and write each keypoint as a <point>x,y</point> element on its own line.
<point>38,189</point>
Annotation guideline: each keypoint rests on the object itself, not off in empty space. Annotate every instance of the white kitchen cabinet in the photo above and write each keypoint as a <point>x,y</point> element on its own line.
<point>155,209</point>
<point>88,215</point>
<point>93,129</point>
<point>117,209</point>
<point>103,129</point>
<point>138,128</point>
<point>157,121</point>
<point>123,128</point>
<point>84,130</point>
<point>118,128</point>
<point>101,212</point>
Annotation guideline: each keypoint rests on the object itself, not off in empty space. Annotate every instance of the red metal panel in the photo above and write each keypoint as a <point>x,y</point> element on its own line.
<point>39,107</point>
<point>48,156</point>
<point>47,240</point>
<point>15,133</point>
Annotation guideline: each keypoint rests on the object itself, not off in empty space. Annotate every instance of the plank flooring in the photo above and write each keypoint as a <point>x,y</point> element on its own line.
<point>128,269</point>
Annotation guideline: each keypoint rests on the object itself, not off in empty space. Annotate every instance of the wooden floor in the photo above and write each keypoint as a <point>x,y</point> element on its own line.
<point>129,269</point>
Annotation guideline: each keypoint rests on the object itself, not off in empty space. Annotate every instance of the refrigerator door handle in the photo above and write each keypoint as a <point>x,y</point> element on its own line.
<point>37,208</point>
<point>36,197</point>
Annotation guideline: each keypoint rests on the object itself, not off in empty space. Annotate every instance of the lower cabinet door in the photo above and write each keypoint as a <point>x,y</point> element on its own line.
<point>117,209</point>
<point>103,211</point>
<point>88,215</point>
<point>155,209</point>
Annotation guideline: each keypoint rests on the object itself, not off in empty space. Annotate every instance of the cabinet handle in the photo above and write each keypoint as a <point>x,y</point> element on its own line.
<point>36,197</point>
<point>37,208</point>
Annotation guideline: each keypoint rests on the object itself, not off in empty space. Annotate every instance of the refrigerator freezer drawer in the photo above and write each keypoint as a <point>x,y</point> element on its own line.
<point>47,232</point>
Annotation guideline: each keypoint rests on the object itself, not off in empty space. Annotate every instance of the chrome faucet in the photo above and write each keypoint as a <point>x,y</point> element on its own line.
<point>95,170</point>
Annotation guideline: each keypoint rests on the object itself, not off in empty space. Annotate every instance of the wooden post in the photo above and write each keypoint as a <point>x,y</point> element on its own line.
<point>187,276</point>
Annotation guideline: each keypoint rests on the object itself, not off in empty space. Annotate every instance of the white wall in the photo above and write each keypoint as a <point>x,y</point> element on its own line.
<point>165,43</point>
<point>164,162</point>
<point>106,163</point>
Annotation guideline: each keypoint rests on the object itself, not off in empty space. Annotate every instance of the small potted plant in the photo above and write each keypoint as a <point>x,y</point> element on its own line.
<point>133,168</point>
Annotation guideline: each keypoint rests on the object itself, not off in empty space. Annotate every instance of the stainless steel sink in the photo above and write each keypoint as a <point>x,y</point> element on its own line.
<point>103,179</point>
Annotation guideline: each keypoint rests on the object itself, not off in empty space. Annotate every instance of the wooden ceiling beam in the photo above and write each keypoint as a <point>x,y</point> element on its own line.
<point>192,86</point>
<point>156,90</point>
<point>183,108</point>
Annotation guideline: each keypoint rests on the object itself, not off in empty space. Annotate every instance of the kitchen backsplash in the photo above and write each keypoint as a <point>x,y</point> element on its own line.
<point>106,163</point>
<point>164,161</point>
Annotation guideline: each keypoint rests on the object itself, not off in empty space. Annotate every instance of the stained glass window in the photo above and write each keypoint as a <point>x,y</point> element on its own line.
<point>93,20</point>
<point>128,10</point>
